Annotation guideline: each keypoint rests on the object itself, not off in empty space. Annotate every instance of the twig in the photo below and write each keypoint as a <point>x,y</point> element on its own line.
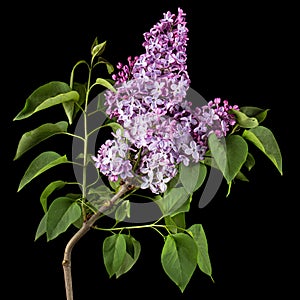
<point>66,263</point>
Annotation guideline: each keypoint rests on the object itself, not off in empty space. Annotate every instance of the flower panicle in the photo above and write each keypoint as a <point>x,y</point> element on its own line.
<point>160,127</point>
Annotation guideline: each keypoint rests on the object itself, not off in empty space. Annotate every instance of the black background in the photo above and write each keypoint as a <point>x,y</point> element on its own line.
<point>241,53</point>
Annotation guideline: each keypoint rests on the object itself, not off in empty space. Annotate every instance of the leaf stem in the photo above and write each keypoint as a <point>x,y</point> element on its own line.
<point>74,182</point>
<point>73,135</point>
<point>152,225</point>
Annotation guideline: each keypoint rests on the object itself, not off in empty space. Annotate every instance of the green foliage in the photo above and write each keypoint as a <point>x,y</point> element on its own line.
<point>250,161</point>
<point>133,250</point>
<point>34,137</point>
<point>192,176</point>
<point>229,154</point>
<point>256,112</point>
<point>179,258</point>
<point>40,164</point>
<point>264,140</point>
<point>105,83</point>
<point>123,211</point>
<point>50,188</point>
<point>48,95</point>
<point>175,223</point>
<point>97,49</point>
<point>243,120</point>
<point>62,213</point>
<point>120,253</point>
<point>174,201</point>
<point>114,250</point>
<point>113,125</point>
<point>203,260</point>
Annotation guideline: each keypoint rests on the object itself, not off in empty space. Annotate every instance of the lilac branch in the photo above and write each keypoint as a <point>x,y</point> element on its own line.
<point>66,263</point>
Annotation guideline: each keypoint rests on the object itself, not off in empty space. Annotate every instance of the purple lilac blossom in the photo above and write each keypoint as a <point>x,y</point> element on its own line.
<point>161,129</point>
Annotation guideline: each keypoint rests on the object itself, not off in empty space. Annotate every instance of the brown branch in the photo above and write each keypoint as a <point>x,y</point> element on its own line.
<point>66,263</point>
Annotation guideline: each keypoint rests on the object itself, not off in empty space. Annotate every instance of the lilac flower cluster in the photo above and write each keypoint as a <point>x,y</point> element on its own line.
<point>160,127</point>
<point>165,54</point>
<point>111,159</point>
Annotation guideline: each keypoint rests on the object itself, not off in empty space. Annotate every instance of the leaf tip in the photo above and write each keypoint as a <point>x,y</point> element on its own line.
<point>229,188</point>
<point>17,117</point>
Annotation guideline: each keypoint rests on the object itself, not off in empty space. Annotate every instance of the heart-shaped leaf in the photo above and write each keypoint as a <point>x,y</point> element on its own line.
<point>192,176</point>
<point>114,251</point>
<point>179,258</point>
<point>229,154</point>
<point>133,250</point>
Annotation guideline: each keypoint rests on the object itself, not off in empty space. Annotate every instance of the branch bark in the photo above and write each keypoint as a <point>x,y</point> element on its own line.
<point>66,263</point>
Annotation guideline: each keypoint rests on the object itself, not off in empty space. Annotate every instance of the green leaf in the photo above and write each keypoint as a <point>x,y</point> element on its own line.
<point>174,182</point>
<point>62,213</point>
<point>115,184</point>
<point>198,234</point>
<point>133,250</point>
<point>98,49</point>
<point>105,83</point>
<point>40,164</point>
<point>50,188</point>
<point>179,258</point>
<point>123,211</point>
<point>81,89</point>
<point>211,162</point>
<point>69,107</point>
<point>101,103</point>
<point>110,68</point>
<point>229,154</point>
<point>95,43</point>
<point>192,176</point>
<point>114,251</point>
<point>252,111</point>
<point>174,201</point>
<point>243,120</point>
<point>175,223</point>
<point>241,176</point>
<point>47,95</point>
<point>101,191</point>
<point>250,161</point>
<point>42,228</point>
<point>99,195</point>
<point>35,136</point>
<point>264,140</point>
<point>79,222</point>
<point>114,126</point>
